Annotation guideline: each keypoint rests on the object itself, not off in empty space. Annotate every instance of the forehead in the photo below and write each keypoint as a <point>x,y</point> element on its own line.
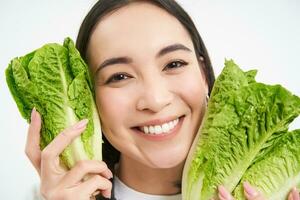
<point>137,27</point>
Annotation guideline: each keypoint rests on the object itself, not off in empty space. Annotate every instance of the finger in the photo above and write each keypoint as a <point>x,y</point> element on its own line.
<point>62,140</point>
<point>95,183</point>
<point>83,168</point>
<point>290,197</point>
<point>32,147</point>
<point>295,194</point>
<point>251,193</point>
<point>224,194</point>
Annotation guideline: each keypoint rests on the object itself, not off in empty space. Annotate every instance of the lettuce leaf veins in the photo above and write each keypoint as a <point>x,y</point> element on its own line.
<point>238,140</point>
<point>56,81</point>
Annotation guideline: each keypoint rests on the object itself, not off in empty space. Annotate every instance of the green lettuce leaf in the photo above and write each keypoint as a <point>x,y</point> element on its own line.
<point>277,171</point>
<point>243,119</point>
<point>56,81</point>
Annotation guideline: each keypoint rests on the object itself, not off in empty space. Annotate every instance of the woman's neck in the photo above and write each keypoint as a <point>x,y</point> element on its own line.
<point>149,180</point>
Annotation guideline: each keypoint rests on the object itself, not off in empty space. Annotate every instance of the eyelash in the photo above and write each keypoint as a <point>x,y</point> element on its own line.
<point>115,76</point>
<point>181,62</point>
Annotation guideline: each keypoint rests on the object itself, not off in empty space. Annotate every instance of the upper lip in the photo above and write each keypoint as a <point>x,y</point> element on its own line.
<point>158,121</point>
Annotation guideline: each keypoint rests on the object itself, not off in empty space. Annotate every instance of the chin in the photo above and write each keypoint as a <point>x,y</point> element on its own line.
<point>169,165</point>
<point>168,161</point>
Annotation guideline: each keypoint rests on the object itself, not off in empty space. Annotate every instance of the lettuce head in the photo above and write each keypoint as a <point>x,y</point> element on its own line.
<point>244,137</point>
<point>56,81</point>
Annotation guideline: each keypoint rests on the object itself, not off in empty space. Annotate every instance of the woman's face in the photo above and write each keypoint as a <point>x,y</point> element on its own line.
<point>147,79</point>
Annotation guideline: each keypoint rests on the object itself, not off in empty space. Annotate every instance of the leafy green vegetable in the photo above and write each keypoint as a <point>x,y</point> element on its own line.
<point>277,171</point>
<point>55,80</point>
<point>243,122</point>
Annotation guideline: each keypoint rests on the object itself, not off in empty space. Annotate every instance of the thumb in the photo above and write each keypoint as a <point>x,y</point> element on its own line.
<point>251,193</point>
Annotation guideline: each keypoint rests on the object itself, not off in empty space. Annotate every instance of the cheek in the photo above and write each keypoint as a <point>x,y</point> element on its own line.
<point>112,106</point>
<point>192,88</point>
<point>192,92</point>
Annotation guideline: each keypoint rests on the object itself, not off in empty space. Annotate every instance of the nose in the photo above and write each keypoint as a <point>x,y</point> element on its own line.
<point>154,95</point>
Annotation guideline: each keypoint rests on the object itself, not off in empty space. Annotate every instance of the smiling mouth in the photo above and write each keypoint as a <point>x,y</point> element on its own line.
<point>168,128</point>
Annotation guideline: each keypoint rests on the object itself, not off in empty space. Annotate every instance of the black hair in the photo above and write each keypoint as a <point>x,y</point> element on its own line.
<point>104,7</point>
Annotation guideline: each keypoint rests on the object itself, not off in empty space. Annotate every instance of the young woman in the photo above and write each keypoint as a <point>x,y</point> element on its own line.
<point>152,77</point>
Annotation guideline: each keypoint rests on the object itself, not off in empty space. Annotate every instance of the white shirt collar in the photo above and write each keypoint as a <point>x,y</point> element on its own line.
<point>123,192</point>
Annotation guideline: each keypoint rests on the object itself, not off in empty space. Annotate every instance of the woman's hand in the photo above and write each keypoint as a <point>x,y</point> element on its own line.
<point>56,182</point>
<point>252,194</point>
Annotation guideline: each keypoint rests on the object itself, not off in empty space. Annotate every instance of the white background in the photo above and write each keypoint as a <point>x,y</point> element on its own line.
<point>260,34</point>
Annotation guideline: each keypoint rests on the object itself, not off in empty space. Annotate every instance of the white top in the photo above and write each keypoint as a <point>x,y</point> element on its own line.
<point>123,192</point>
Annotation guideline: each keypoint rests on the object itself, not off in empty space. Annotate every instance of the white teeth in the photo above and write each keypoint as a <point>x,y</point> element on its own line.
<point>159,129</point>
<point>146,129</point>
<point>165,127</point>
<point>171,124</point>
<point>151,129</point>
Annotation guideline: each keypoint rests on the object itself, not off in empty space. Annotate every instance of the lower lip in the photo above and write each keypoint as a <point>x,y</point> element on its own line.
<point>162,136</point>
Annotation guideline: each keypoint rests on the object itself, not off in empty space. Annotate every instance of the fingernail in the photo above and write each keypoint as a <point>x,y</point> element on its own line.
<point>249,190</point>
<point>81,124</point>
<point>33,113</point>
<point>224,194</point>
<point>107,194</point>
<point>295,193</point>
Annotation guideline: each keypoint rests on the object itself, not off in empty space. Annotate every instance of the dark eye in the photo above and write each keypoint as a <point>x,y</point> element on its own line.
<point>176,64</point>
<point>117,78</point>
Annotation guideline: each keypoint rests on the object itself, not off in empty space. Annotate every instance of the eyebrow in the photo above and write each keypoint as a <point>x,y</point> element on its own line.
<point>127,60</point>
